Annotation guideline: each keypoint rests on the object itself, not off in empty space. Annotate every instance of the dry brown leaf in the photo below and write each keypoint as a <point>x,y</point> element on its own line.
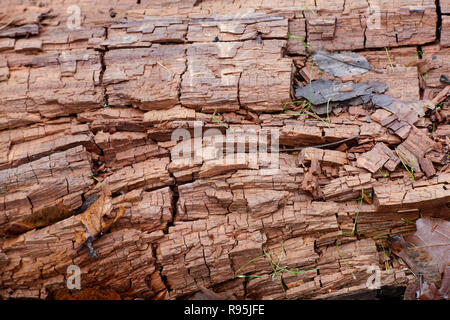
<point>92,218</point>
<point>427,253</point>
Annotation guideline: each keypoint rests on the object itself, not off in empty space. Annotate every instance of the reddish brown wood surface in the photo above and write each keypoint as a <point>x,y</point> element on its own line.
<point>103,100</point>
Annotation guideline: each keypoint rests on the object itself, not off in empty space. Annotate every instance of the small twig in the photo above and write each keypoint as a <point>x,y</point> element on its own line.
<point>345,261</point>
<point>319,146</point>
<point>359,209</point>
<point>159,63</point>
<point>389,57</point>
<point>328,106</point>
<point>381,235</point>
<point>331,144</point>
<point>4,26</point>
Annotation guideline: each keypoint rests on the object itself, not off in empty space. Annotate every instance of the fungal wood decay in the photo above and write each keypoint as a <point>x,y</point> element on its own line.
<point>99,103</point>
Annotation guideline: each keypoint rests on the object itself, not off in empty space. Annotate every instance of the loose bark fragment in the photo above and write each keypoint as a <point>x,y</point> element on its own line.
<point>427,167</point>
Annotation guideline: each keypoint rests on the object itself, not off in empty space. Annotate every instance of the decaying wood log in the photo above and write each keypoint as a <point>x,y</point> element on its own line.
<point>92,116</point>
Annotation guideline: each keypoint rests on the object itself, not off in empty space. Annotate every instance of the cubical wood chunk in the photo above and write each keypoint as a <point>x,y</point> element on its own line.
<point>393,161</point>
<point>418,143</point>
<point>427,167</point>
<point>154,73</point>
<point>397,126</point>
<point>415,148</point>
<point>327,157</point>
<point>223,76</point>
<point>408,158</point>
<point>372,160</point>
<point>378,157</point>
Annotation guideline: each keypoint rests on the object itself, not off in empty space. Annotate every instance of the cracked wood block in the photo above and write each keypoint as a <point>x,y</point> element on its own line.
<point>146,211</point>
<point>350,25</point>
<point>403,56</point>
<point>371,222</point>
<point>393,196</point>
<point>226,214</point>
<point>427,166</point>
<point>295,253</point>
<point>154,72</point>
<point>150,174</point>
<point>403,83</point>
<point>225,76</point>
<point>57,178</point>
<point>52,23</point>
<point>436,64</point>
<point>379,156</point>
<point>16,136</point>
<point>401,23</point>
<point>34,142</point>
<point>327,157</point>
<point>335,277</point>
<point>173,114</point>
<point>373,132</point>
<point>414,148</point>
<point>20,31</point>
<point>145,31</point>
<point>124,256</point>
<point>300,135</point>
<point>297,36</point>
<point>239,27</point>
<point>235,239</point>
<point>397,125</point>
<point>257,192</point>
<point>340,132</point>
<point>125,148</point>
<point>113,119</point>
<point>49,85</point>
<point>334,30</point>
<point>346,188</point>
<point>445,31</point>
<point>199,252</point>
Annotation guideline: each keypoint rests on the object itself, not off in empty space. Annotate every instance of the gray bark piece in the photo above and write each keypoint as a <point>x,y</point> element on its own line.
<point>323,91</point>
<point>399,106</point>
<point>341,64</point>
